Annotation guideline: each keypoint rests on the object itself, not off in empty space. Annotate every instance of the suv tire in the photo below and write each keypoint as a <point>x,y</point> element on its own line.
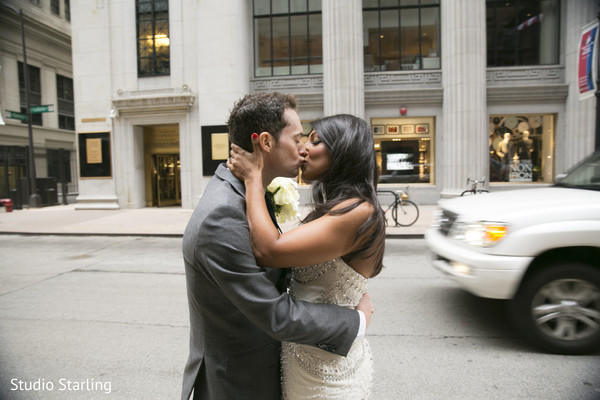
<point>558,308</point>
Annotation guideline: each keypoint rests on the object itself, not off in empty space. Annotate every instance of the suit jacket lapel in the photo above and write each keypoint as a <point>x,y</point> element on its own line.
<point>272,212</point>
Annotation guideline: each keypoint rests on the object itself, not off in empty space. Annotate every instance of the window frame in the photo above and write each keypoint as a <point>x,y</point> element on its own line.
<point>311,10</point>
<point>35,92</point>
<point>65,103</point>
<point>494,35</point>
<point>55,7</point>
<point>154,57</point>
<point>377,67</point>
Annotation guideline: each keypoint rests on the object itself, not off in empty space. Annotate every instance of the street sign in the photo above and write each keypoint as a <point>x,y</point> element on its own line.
<point>42,109</point>
<point>16,115</point>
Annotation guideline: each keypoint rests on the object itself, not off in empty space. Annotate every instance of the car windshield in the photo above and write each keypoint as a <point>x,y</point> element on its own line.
<point>585,175</point>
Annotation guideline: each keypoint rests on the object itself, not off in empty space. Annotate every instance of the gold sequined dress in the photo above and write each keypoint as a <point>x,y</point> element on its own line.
<point>312,373</point>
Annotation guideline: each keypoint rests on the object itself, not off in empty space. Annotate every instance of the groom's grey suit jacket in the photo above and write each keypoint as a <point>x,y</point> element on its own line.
<point>237,315</point>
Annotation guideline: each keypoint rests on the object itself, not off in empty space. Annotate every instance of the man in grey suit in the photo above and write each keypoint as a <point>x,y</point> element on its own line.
<point>238,312</point>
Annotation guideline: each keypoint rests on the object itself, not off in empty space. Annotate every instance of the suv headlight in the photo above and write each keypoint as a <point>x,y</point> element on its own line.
<point>481,234</point>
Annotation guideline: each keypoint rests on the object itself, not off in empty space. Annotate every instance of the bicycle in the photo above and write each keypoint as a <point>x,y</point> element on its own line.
<point>477,187</point>
<point>404,212</point>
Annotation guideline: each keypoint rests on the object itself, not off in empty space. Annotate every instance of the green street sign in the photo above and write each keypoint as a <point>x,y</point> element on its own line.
<point>16,115</point>
<point>42,109</point>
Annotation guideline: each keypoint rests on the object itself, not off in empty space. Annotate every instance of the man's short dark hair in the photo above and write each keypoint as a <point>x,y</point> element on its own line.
<point>256,113</point>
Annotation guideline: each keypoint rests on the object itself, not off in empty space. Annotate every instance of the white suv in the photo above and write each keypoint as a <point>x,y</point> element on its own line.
<point>540,248</point>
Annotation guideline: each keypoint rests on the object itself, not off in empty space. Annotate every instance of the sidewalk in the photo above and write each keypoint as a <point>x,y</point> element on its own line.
<point>150,221</point>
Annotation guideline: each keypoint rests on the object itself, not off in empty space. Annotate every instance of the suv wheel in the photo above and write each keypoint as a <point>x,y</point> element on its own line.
<point>558,308</point>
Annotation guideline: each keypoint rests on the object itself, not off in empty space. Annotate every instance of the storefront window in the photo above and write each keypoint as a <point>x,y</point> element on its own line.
<point>520,148</point>
<point>404,149</point>
<point>401,35</point>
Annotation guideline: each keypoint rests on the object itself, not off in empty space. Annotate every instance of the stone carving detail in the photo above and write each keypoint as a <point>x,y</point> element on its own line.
<point>410,80</point>
<point>512,75</point>
<point>137,102</point>
<point>403,78</point>
<point>372,81</point>
<point>295,82</point>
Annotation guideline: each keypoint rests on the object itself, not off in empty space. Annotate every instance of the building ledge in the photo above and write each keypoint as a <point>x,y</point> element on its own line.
<point>522,94</point>
<point>159,101</point>
<point>97,203</point>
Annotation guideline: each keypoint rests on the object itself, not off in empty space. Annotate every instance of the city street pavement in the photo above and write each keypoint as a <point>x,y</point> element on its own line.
<point>149,221</point>
<point>106,317</point>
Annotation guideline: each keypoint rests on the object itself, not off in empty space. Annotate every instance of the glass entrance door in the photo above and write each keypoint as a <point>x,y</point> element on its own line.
<point>168,182</point>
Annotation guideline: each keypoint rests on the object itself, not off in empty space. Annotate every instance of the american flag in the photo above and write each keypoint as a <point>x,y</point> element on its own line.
<point>530,21</point>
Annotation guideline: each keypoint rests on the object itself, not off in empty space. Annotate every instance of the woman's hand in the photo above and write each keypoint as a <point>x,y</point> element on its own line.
<point>366,307</point>
<point>246,165</point>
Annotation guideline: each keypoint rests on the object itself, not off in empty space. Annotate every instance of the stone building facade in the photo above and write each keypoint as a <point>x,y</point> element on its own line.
<point>48,50</point>
<point>450,98</point>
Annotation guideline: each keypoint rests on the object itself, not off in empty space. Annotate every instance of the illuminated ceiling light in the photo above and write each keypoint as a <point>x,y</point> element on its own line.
<point>160,40</point>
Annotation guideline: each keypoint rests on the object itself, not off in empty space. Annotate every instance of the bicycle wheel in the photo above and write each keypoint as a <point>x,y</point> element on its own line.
<point>405,214</point>
<point>386,201</point>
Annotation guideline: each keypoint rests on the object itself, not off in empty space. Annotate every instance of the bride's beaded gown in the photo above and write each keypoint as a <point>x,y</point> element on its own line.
<point>312,373</point>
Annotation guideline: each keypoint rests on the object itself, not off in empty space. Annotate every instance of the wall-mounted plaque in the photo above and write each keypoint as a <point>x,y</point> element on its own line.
<point>219,146</point>
<point>94,155</point>
<point>215,147</point>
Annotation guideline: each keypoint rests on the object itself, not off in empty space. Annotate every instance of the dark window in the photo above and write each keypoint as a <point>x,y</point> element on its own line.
<point>59,164</point>
<point>522,32</point>
<point>55,7</point>
<point>67,10</point>
<point>35,91</point>
<point>401,34</point>
<point>65,99</point>
<point>153,37</point>
<point>288,37</point>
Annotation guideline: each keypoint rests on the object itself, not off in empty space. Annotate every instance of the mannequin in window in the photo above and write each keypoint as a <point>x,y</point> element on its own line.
<point>504,148</point>
<point>525,147</point>
<point>504,151</point>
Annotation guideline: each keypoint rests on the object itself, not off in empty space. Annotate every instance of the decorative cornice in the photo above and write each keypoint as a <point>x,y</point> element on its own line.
<point>310,99</point>
<point>522,84</point>
<point>159,101</point>
<point>521,94</point>
<point>512,76</point>
<point>403,79</point>
<point>410,96</point>
<point>306,83</point>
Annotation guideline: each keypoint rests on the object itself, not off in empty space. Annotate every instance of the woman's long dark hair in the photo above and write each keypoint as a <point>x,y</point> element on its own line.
<point>352,175</point>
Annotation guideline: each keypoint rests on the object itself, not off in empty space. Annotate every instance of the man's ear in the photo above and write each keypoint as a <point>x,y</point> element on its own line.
<point>266,141</point>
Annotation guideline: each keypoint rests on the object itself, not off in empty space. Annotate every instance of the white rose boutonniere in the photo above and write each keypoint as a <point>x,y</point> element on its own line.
<point>285,198</point>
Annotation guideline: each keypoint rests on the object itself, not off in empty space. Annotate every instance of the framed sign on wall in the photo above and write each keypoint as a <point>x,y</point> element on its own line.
<point>215,147</point>
<point>94,155</point>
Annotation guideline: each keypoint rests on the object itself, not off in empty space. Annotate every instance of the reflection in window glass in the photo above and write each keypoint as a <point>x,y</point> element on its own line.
<point>401,35</point>
<point>281,46</point>
<point>520,148</point>
<point>262,7</point>
<point>524,32</point>
<point>287,41</point>
<point>404,150</point>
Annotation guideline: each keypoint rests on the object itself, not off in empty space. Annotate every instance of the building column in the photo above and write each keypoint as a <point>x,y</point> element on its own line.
<point>580,122</point>
<point>343,70</point>
<point>462,146</point>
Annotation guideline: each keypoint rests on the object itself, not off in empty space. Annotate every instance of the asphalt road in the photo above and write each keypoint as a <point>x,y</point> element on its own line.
<point>106,318</point>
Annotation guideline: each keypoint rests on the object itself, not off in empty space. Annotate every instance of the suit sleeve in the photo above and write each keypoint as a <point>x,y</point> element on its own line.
<point>223,247</point>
